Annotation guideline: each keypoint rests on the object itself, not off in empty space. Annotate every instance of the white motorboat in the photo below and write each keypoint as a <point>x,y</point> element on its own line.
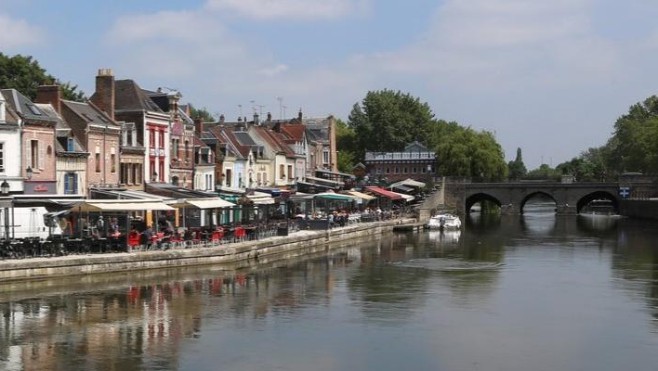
<point>444,221</point>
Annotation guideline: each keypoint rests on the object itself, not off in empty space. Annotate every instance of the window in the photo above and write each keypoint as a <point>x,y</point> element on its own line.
<point>174,148</point>
<point>98,162</point>
<point>325,156</point>
<point>70,183</point>
<point>70,144</point>
<point>34,154</point>
<point>113,158</point>
<point>161,137</point>
<point>282,171</point>
<point>2,157</point>
<point>187,150</point>
<point>151,138</point>
<point>290,172</point>
<point>129,136</point>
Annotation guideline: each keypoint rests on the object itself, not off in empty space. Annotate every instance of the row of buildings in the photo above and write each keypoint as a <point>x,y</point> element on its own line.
<point>129,142</point>
<point>129,138</point>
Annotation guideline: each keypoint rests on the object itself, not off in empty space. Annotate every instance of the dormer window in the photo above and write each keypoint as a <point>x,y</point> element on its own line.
<point>70,144</point>
<point>129,134</point>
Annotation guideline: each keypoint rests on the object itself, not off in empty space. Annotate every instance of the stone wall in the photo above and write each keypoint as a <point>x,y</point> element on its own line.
<point>640,209</point>
<point>267,250</point>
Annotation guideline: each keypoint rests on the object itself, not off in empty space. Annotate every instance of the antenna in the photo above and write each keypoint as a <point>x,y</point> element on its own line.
<point>240,107</point>
<point>280,99</point>
<point>284,110</point>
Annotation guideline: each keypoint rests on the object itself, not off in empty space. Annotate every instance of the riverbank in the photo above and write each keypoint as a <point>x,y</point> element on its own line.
<point>261,251</point>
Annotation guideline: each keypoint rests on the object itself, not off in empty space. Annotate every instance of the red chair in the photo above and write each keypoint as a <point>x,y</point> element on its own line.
<point>217,235</point>
<point>240,233</point>
<point>133,240</point>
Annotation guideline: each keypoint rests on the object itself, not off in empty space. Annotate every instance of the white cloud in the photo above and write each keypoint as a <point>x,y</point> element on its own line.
<point>289,9</point>
<point>509,44</point>
<point>517,68</point>
<point>274,70</point>
<point>17,33</point>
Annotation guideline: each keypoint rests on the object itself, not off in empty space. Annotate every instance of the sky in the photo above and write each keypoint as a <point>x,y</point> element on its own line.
<point>549,77</point>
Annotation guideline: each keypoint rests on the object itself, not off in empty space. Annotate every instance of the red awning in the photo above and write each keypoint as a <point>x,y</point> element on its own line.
<point>384,193</point>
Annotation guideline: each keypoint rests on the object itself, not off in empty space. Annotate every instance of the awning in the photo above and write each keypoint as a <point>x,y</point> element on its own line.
<point>402,188</point>
<point>261,198</point>
<point>203,203</point>
<point>334,196</point>
<point>362,196</point>
<point>384,193</point>
<point>323,180</point>
<point>410,183</point>
<point>407,198</point>
<point>119,205</point>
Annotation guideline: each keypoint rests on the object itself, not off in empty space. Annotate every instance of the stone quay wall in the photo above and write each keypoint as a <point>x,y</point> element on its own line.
<point>261,251</point>
<point>640,209</point>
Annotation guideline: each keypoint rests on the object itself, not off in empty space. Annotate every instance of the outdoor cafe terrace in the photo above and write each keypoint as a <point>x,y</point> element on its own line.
<point>98,226</point>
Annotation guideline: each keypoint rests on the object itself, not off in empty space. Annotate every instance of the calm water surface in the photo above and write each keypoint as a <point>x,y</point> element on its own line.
<point>538,292</point>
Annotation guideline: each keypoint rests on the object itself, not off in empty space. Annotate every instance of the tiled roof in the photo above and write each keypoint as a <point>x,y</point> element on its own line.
<point>130,97</point>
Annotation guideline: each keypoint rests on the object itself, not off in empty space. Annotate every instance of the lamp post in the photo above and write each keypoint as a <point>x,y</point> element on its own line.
<point>4,190</point>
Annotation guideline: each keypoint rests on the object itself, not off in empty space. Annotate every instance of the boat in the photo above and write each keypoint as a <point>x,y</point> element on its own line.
<point>444,221</point>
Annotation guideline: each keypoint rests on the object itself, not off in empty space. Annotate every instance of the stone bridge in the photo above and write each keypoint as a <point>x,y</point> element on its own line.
<point>569,198</point>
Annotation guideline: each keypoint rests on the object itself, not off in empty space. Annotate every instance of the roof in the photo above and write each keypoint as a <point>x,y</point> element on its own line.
<point>90,114</point>
<point>130,97</point>
<point>293,131</point>
<point>24,107</point>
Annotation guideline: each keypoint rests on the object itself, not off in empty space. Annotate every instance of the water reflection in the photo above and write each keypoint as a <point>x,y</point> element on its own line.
<point>408,300</point>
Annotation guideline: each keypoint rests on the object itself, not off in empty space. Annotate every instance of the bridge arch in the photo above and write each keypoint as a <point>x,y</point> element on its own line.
<point>479,197</point>
<point>531,195</point>
<point>598,195</point>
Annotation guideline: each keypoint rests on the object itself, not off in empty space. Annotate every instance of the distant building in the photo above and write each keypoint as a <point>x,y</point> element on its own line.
<point>415,162</point>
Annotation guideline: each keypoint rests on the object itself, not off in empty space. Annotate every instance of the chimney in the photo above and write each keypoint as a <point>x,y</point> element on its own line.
<point>299,115</point>
<point>269,116</point>
<point>50,94</point>
<point>104,97</point>
<point>221,119</point>
<point>256,119</point>
<point>198,125</point>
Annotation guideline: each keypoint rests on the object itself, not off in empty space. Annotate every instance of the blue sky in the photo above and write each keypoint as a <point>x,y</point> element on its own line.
<point>550,77</point>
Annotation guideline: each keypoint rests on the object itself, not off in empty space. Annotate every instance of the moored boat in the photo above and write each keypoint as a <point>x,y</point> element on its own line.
<point>444,221</point>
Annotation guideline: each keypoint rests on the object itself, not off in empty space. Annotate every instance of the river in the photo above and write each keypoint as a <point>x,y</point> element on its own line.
<point>538,292</point>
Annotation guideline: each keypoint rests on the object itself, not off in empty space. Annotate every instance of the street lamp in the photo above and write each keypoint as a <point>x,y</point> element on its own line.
<point>29,172</point>
<point>4,189</point>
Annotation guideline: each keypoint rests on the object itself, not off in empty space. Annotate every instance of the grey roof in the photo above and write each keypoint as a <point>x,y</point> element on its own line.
<point>25,108</point>
<point>90,114</point>
<point>244,138</point>
<point>49,110</point>
<point>130,97</point>
<point>62,132</point>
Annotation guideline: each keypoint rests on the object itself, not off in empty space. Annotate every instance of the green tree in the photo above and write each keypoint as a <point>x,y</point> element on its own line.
<point>544,172</point>
<point>346,142</point>
<point>465,152</point>
<point>388,121</point>
<point>590,166</point>
<point>517,169</point>
<point>25,75</point>
<point>201,113</point>
<point>634,144</point>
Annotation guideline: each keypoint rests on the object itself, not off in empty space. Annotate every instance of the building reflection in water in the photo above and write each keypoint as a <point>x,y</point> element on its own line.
<point>142,326</point>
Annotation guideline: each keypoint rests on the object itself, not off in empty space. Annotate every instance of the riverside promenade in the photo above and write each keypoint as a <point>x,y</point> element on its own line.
<point>264,250</point>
